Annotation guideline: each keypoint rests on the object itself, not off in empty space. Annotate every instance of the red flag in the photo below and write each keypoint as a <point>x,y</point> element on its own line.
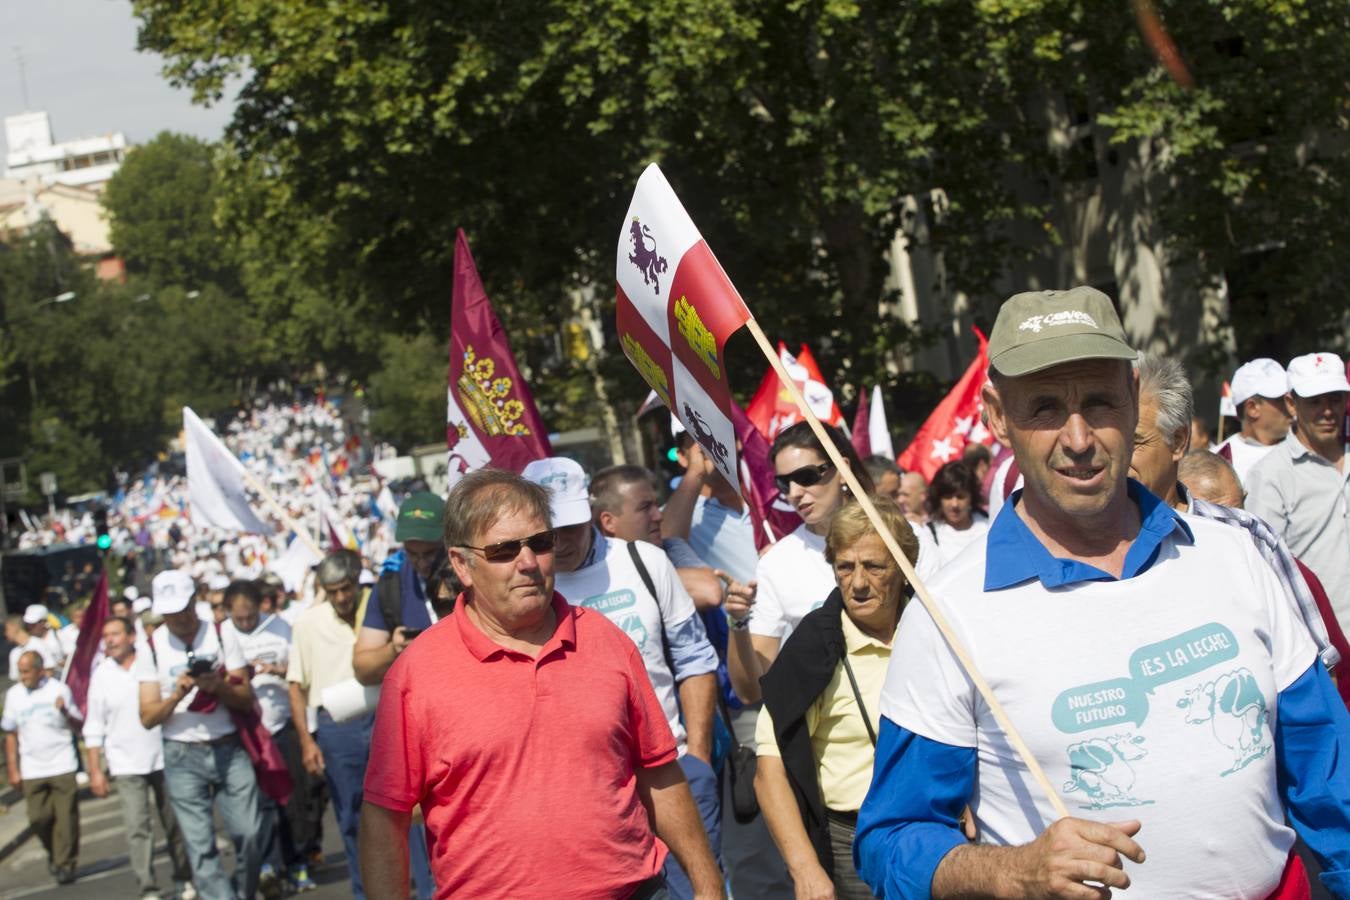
<point>758,487</point>
<point>954,423</point>
<point>771,409</point>
<point>491,416</point>
<point>86,645</point>
<point>676,308</point>
<point>862,435</point>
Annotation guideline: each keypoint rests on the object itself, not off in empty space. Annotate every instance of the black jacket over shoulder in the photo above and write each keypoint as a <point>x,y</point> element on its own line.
<point>798,676</point>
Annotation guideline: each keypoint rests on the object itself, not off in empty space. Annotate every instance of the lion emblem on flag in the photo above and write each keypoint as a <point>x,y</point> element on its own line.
<point>647,366</point>
<point>645,257</point>
<point>698,426</point>
<point>700,339</point>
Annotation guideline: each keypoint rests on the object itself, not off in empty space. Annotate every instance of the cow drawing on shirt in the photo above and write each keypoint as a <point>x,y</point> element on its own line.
<point>1101,769</point>
<point>1236,710</point>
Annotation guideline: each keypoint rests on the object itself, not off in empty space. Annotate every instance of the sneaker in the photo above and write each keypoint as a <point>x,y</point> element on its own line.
<point>151,894</point>
<point>186,891</point>
<point>300,880</point>
<point>65,874</point>
<point>269,885</point>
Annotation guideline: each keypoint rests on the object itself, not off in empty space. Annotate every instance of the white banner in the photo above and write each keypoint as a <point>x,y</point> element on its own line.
<point>216,481</point>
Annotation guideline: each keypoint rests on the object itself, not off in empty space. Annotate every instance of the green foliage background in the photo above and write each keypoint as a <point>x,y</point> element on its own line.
<point>321,229</point>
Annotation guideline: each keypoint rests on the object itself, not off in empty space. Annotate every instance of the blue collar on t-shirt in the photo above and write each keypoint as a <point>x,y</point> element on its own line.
<point>1014,555</point>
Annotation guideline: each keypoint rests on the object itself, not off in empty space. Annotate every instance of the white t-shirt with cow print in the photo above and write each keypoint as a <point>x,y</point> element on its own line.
<point>1152,698</point>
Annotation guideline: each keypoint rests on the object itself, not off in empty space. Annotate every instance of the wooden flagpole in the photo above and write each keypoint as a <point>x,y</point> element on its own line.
<point>920,591</point>
<point>277,508</point>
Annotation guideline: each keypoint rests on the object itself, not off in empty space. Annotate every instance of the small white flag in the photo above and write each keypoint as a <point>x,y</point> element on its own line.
<point>292,565</point>
<point>216,481</point>
<point>877,432</point>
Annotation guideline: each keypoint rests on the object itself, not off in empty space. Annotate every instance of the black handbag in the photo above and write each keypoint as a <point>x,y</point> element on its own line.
<point>741,770</point>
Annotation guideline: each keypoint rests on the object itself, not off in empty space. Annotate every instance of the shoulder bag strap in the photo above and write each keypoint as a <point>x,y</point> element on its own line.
<point>857,695</point>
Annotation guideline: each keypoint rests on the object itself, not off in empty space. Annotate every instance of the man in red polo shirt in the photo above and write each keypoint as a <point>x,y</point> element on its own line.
<point>528,732</point>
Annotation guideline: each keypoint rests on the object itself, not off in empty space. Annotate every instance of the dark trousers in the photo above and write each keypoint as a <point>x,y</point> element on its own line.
<point>847,884</point>
<point>290,832</point>
<point>54,815</point>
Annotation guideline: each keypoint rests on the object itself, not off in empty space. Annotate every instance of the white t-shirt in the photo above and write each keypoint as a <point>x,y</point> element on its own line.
<point>168,662</point>
<point>48,662</point>
<point>794,579</point>
<point>951,542</point>
<point>114,721</point>
<point>269,642</point>
<point>1151,698</point>
<point>46,745</point>
<point>611,585</point>
<point>1246,453</point>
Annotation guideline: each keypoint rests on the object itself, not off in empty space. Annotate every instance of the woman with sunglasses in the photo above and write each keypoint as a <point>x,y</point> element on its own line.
<point>956,519</point>
<point>793,576</point>
<point>816,734</point>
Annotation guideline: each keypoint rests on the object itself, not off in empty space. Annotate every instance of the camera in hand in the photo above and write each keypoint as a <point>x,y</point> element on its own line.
<point>410,633</point>
<point>197,666</point>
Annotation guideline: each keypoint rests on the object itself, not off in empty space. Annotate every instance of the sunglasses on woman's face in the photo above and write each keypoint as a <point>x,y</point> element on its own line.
<point>805,476</point>
<point>506,551</point>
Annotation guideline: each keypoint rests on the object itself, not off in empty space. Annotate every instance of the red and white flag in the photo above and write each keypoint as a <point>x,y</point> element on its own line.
<point>81,667</point>
<point>1226,405</point>
<point>676,308</point>
<point>954,423</point>
<point>490,413</point>
<point>871,434</point>
<point>771,409</point>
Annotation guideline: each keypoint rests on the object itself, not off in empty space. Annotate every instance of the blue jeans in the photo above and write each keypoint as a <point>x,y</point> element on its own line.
<point>707,796</point>
<point>197,776</point>
<point>345,747</point>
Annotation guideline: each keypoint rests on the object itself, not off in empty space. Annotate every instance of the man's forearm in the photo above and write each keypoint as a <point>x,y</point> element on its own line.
<point>371,663</point>
<point>236,692</point>
<point>384,852</point>
<point>743,666</point>
<point>698,702</point>
<point>299,710</point>
<point>675,819</point>
<point>975,870</point>
<point>94,758</point>
<point>677,516</point>
<point>155,711</point>
<point>12,752</point>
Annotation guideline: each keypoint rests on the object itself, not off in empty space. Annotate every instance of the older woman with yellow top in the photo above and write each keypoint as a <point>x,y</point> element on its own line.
<point>817,731</point>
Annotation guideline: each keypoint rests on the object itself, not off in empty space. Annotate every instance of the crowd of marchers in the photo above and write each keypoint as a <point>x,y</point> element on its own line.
<point>562,686</point>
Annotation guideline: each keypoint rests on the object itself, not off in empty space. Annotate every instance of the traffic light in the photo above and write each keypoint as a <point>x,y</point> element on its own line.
<point>104,540</point>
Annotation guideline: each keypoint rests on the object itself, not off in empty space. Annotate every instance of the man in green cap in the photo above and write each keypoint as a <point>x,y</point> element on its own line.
<point>398,610</point>
<point>1142,654</point>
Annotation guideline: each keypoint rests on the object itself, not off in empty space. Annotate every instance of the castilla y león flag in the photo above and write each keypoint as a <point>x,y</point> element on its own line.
<point>954,423</point>
<point>490,417</point>
<point>676,309</point>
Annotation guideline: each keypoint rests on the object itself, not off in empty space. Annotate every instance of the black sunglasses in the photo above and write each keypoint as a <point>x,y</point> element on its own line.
<point>805,476</point>
<point>505,551</point>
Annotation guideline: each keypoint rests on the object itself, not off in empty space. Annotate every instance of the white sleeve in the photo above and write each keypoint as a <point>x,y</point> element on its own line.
<point>94,724</point>
<point>926,691</point>
<point>7,720</point>
<point>144,667</point>
<point>1265,499</point>
<point>14,663</point>
<point>930,558</point>
<point>675,603</point>
<point>767,618</point>
<point>1291,647</point>
<point>231,653</point>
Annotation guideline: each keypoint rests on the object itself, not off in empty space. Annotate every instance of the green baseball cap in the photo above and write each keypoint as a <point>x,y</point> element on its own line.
<point>420,518</point>
<point>1040,329</point>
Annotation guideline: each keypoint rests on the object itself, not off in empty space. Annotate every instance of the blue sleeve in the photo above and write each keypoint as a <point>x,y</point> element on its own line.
<point>691,653</point>
<point>682,556</point>
<point>374,615</point>
<point>1312,752</point>
<point>910,819</point>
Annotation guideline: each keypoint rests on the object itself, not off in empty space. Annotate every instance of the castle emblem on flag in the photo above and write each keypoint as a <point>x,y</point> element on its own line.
<point>649,263</point>
<point>700,339</point>
<point>647,366</point>
<point>488,400</point>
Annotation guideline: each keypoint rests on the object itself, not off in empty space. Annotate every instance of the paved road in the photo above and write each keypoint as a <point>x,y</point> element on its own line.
<point>104,872</point>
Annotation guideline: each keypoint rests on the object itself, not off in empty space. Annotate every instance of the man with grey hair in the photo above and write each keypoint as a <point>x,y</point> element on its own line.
<point>1208,476</point>
<point>521,721</point>
<point>320,666</point>
<point>1160,440</point>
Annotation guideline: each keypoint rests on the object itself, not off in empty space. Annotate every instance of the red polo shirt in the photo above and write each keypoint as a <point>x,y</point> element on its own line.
<point>524,767</point>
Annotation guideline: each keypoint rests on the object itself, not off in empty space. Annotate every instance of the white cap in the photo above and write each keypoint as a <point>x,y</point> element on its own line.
<point>130,593</point>
<point>140,605</point>
<point>1317,373</point>
<point>35,613</point>
<point>172,590</point>
<point>569,503</point>
<point>1259,378</point>
<point>218,583</point>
